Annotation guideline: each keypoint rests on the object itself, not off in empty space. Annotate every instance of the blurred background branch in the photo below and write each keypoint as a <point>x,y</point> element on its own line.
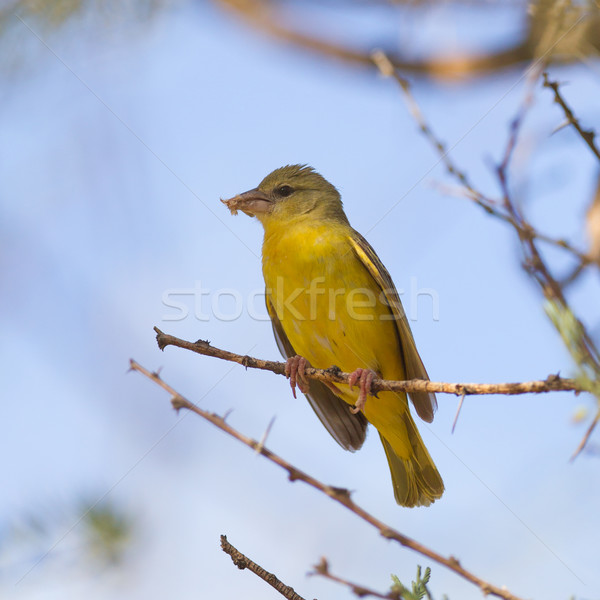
<point>316,28</point>
<point>571,328</point>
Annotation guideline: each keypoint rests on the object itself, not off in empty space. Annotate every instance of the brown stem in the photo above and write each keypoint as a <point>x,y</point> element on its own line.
<point>553,383</point>
<point>340,495</point>
<point>241,561</point>
<point>322,568</point>
<point>587,135</point>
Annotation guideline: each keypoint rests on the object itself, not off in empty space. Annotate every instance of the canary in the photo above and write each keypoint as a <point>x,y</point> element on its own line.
<point>332,302</point>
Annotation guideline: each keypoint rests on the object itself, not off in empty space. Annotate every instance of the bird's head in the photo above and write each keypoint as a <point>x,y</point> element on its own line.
<point>294,192</point>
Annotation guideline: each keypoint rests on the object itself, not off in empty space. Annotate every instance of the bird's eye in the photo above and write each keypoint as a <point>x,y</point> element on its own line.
<point>284,191</point>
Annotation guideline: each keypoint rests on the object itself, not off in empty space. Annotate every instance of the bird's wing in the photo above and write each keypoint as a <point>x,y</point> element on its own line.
<point>425,403</point>
<point>347,429</point>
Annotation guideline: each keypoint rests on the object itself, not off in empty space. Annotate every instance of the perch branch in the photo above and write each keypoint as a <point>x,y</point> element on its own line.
<point>553,383</point>
<point>241,561</point>
<point>340,495</point>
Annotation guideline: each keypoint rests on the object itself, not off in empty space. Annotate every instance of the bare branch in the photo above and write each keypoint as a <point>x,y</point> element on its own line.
<point>579,342</point>
<point>340,495</point>
<point>241,561</point>
<point>553,383</point>
<point>491,206</point>
<point>587,135</point>
<point>322,569</point>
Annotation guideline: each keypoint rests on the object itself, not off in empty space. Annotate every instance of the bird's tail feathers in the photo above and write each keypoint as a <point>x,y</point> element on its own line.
<point>416,479</point>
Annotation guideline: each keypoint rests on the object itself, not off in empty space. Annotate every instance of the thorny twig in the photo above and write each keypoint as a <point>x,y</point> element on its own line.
<point>507,211</point>
<point>241,561</point>
<point>340,495</point>
<point>553,383</point>
<point>588,135</point>
<point>322,569</point>
<point>489,205</point>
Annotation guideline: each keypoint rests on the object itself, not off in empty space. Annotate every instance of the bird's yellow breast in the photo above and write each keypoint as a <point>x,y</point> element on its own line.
<point>330,307</point>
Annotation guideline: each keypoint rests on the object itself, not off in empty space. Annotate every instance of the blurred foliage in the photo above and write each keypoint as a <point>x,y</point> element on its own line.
<point>418,589</point>
<point>89,533</point>
<point>573,336</point>
<point>108,531</point>
<point>54,13</point>
<point>26,26</point>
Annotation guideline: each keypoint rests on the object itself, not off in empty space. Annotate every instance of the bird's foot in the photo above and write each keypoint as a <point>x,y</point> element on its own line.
<point>294,371</point>
<point>364,379</point>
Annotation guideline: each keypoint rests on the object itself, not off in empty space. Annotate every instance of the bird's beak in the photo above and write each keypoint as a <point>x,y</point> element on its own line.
<point>253,202</point>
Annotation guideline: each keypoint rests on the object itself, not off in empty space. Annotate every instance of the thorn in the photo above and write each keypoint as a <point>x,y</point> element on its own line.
<point>460,403</point>
<point>261,444</point>
<point>564,124</point>
<point>454,561</point>
<point>322,568</point>
<point>177,402</point>
<point>382,62</point>
<point>338,492</point>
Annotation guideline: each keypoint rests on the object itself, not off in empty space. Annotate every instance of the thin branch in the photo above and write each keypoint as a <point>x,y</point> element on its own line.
<point>490,205</point>
<point>322,569</point>
<point>387,69</point>
<point>507,211</point>
<point>340,495</point>
<point>587,135</point>
<point>534,264</point>
<point>586,436</point>
<point>241,561</point>
<point>553,383</point>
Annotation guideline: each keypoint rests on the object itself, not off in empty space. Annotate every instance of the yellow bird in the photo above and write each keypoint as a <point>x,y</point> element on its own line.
<point>332,302</point>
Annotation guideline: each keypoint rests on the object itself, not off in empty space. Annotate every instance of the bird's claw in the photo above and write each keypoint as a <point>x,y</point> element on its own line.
<point>295,372</point>
<point>364,379</point>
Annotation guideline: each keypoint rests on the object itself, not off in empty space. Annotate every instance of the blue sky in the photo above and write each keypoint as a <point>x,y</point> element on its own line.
<point>113,158</point>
